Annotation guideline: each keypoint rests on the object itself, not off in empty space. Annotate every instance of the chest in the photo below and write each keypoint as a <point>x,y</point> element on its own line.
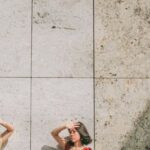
<point>73,148</point>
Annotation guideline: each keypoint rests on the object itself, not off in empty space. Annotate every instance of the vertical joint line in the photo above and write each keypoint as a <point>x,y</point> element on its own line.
<point>31,75</point>
<point>94,68</point>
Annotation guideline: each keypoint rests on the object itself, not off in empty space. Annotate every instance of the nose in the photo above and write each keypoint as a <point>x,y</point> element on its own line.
<point>72,133</point>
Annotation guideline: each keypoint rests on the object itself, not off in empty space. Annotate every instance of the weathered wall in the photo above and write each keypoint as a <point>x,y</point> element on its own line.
<point>60,59</point>
<point>52,42</point>
<point>122,31</point>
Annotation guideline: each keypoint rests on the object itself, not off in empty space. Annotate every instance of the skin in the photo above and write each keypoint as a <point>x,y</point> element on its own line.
<point>74,135</point>
<point>8,132</point>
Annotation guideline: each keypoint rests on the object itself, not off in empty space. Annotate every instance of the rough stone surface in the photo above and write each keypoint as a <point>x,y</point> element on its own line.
<point>122,114</point>
<point>122,35</point>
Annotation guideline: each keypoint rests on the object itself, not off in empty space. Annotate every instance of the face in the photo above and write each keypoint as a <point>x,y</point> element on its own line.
<point>75,136</point>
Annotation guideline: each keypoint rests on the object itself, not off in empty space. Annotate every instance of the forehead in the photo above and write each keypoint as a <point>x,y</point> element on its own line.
<point>70,130</point>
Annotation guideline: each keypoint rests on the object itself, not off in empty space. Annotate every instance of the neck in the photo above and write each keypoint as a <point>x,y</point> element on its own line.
<point>78,144</point>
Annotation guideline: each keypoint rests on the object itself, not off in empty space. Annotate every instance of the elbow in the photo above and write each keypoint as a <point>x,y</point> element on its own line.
<point>12,129</point>
<point>53,133</point>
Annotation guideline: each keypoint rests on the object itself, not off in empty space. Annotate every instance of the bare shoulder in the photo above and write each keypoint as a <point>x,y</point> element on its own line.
<point>84,148</point>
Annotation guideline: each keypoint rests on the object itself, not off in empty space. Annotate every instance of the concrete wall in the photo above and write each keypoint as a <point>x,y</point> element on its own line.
<point>122,70</point>
<point>52,42</point>
<point>57,50</point>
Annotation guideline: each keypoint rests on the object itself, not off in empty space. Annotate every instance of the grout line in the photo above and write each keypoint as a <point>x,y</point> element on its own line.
<point>66,77</point>
<point>30,112</point>
<point>80,77</point>
<point>49,77</point>
<point>94,69</point>
<point>31,76</point>
<point>117,78</point>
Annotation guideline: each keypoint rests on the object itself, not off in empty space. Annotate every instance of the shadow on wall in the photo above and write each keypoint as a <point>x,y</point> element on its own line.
<point>139,138</point>
<point>45,147</point>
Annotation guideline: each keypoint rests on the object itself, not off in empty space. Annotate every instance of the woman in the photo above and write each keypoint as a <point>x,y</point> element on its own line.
<point>6,134</point>
<point>79,136</point>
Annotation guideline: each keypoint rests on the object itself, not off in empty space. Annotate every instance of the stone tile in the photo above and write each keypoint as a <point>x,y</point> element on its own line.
<point>15,108</point>
<point>56,101</point>
<point>15,38</point>
<point>122,37</point>
<point>62,38</point>
<point>120,111</point>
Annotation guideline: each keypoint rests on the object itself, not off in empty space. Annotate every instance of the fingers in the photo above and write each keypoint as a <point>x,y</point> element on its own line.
<point>73,124</point>
<point>76,125</point>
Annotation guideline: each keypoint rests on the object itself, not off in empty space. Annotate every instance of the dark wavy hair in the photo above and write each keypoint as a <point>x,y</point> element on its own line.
<point>84,136</point>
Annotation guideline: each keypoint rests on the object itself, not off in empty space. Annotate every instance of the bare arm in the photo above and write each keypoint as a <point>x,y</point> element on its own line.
<point>55,133</point>
<point>9,130</point>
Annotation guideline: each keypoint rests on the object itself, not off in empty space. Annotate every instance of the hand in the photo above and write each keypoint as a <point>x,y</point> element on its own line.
<point>72,125</point>
<point>1,121</point>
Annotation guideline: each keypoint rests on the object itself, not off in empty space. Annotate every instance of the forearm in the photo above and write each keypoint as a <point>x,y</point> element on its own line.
<point>57,130</point>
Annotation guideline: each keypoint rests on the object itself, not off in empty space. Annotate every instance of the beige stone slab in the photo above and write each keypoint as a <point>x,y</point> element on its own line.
<point>122,35</point>
<point>56,101</point>
<point>15,38</point>
<point>121,108</point>
<point>62,38</point>
<point>15,108</point>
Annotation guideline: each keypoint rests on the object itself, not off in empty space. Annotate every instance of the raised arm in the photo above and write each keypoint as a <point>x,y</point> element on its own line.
<point>55,133</point>
<point>9,130</point>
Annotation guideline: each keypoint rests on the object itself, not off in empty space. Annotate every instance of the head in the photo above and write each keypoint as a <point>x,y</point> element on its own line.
<point>80,134</point>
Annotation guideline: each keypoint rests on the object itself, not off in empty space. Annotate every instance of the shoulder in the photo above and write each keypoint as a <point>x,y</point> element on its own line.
<point>87,148</point>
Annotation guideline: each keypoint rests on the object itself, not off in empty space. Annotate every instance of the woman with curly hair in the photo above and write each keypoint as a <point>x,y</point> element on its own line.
<point>6,134</point>
<point>78,136</point>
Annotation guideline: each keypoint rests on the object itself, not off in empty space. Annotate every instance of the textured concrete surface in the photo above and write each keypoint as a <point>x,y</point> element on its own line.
<point>122,34</point>
<point>139,138</point>
<point>56,101</point>
<point>122,106</point>
<point>122,57</point>
<point>62,38</point>
<point>15,108</point>
<point>62,47</point>
<point>15,38</point>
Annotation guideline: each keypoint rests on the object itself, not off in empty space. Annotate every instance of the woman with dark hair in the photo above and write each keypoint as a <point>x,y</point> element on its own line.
<point>6,134</point>
<point>78,138</point>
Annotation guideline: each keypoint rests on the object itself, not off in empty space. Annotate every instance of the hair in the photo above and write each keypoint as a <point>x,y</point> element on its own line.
<point>84,136</point>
